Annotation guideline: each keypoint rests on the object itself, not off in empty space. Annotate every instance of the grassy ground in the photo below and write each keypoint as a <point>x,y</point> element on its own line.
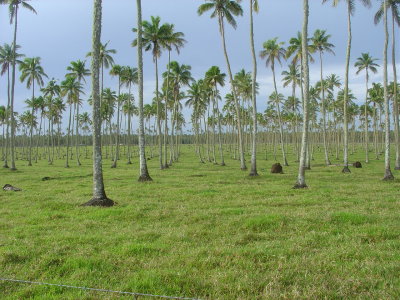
<point>202,231</point>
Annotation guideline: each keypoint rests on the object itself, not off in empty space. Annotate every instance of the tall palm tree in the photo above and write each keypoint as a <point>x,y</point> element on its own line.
<point>350,11</point>
<point>367,63</point>
<point>144,173</point>
<point>394,6</point>
<point>78,70</point>
<point>301,178</point>
<point>226,10</point>
<point>321,44</point>
<point>32,72</point>
<point>6,61</point>
<point>272,52</point>
<point>99,194</point>
<point>155,38</point>
<point>13,7</point>
<point>117,70</point>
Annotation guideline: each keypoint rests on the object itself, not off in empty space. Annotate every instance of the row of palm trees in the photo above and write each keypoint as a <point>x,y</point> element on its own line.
<point>157,37</point>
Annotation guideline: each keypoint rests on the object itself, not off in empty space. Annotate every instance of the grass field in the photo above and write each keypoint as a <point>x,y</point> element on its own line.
<point>202,231</point>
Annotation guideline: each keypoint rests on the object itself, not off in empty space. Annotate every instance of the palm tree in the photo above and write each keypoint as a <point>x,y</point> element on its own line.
<point>32,72</point>
<point>273,51</point>
<point>6,61</point>
<point>78,70</point>
<point>117,70</point>
<point>214,77</point>
<point>227,10</point>
<point>321,44</point>
<point>155,38</point>
<point>99,194</point>
<point>301,178</point>
<point>394,6</point>
<point>367,63</point>
<point>144,173</point>
<point>350,11</point>
<point>13,7</point>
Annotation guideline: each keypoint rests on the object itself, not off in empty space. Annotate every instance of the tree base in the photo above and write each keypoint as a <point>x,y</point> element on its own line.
<point>397,168</point>
<point>253,174</point>
<point>113,166</point>
<point>298,186</point>
<point>388,176</point>
<point>129,163</point>
<point>145,178</point>
<point>243,169</point>
<point>346,170</point>
<point>103,202</point>
<point>223,164</point>
<point>13,169</point>
<point>6,166</point>
<point>166,166</point>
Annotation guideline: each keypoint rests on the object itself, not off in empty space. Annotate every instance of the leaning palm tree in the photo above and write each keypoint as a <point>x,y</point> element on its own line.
<point>350,11</point>
<point>6,61</point>
<point>78,70</point>
<point>13,7</point>
<point>99,194</point>
<point>227,10</point>
<point>394,6</point>
<point>144,173</point>
<point>155,38</point>
<point>301,178</point>
<point>321,44</point>
<point>367,63</point>
<point>32,72</point>
<point>273,51</point>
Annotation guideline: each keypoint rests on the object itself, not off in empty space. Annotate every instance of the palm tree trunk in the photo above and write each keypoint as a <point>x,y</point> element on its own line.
<point>99,194</point>
<point>31,130</point>
<point>301,180</point>
<point>366,138</point>
<point>144,173</point>
<point>346,95</point>
<point>237,108</point>
<point>388,173</point>
<point>327,161</point>
<point>395,99</point>
<point>8,120</point>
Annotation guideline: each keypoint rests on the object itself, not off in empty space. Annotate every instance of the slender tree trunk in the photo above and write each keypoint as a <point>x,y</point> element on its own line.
<point>395,98</point>
<point>366,138</point>
<point>116,157</point>
<point>253,168</point>
<point>239,125</point>
<point>301,180</point>
<point>346,96</point>
<point>144,173</point>
<point>8,120</point>
<point>388,173</point>
<point>99,194</point>
<point>31,130</point>
<point>327,161</point>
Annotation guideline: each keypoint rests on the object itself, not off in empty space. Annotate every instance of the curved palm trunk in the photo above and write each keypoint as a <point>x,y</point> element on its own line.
<point>327,161</point>
<point>144,173</point>
<point>99,194</point>
<point>8,120</point>
<point>346,95</point>
<point>239,125</point>
<point>253,168</point>
<point>301,178</point>
<point>388,173</point>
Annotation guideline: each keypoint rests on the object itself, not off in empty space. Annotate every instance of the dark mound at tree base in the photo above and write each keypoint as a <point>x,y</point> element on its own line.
<point>104,202</point>
<point>223,165</point>
<point>145,178</point>
<point>253,174</point>
<point>357,165</point>
<point>277,169</point>
<point>5,166</point>
<point>300,186</point>
<point>346,170</point>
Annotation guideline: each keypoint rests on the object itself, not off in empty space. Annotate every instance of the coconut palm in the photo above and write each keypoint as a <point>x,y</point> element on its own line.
<point>13,8</point>
<point>155,38</point>
<point>33,73</point>
<point>117,70</point>
<point>366,63</point>
<point>394,6</point>
<point>301,180</point>
<point>6,62</point>
<point>320,43</point>
<point>273,52</point>
<point>99,194</point>
<point>226,10</point>
<point>350,11</point>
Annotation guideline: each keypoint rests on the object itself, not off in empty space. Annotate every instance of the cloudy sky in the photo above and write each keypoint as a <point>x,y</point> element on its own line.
<point>61,33</point>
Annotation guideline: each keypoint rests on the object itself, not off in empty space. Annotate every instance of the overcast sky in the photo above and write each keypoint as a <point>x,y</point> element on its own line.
<point>61,33</point>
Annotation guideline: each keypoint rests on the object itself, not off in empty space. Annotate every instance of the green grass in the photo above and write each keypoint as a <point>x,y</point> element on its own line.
<point>202,231</point>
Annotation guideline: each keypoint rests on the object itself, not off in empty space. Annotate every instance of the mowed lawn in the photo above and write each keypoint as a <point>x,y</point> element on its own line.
<point>202,230</point>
